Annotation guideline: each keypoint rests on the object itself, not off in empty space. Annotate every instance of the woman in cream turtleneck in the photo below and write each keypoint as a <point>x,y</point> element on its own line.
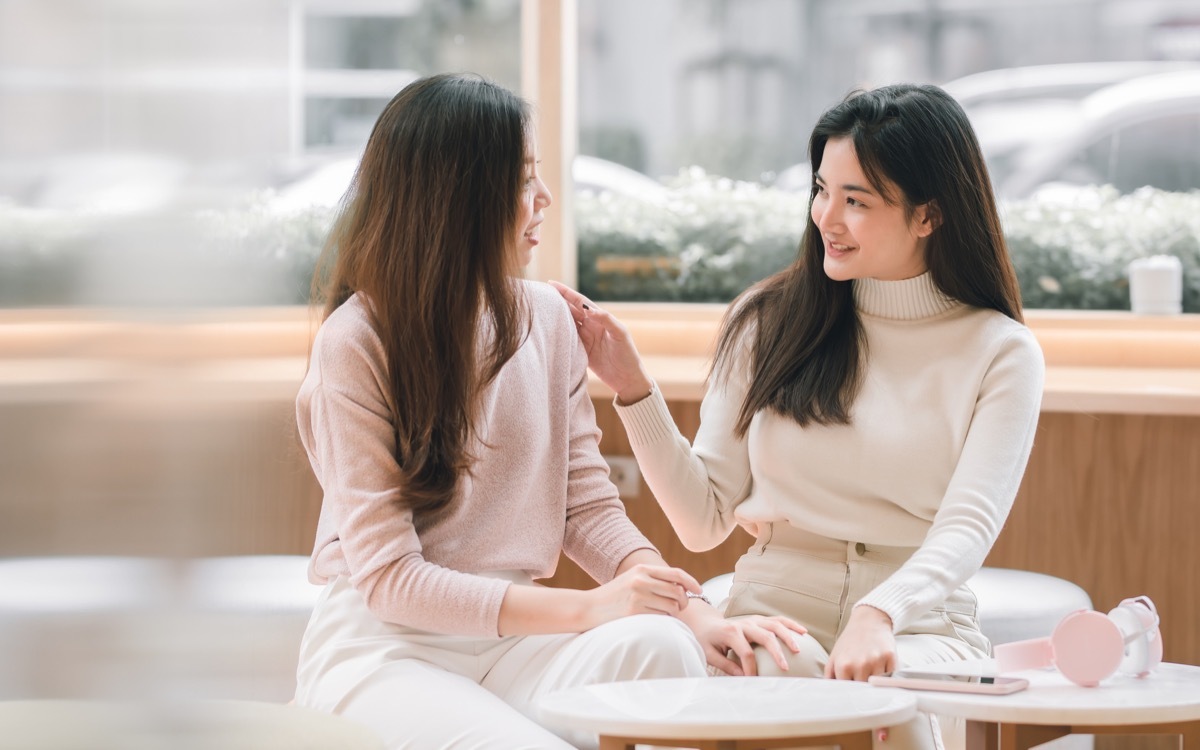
<point>871,408</point>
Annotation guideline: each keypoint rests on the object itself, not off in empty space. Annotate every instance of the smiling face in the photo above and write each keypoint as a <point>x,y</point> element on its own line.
<point>864,235</point>
<point>533,199</point>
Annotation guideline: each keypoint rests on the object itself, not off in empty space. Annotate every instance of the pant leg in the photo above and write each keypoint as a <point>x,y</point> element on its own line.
<point>413,705</point>
<point>817,581</point>
<point>631,648</point>
<point>416,690</point>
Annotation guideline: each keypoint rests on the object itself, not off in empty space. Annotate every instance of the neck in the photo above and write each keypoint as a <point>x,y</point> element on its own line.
<point>910,299</point>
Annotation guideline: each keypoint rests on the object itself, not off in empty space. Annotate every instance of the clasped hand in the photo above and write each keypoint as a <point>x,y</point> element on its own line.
<point>866,646</point>
<point>728,644</point>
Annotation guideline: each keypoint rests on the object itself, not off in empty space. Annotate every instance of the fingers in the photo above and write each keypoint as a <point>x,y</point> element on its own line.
<point>664,586</point>
<point>583,310</point>
<point>576,301</point>
<point>859,670</point>
<point>572,297</point>
<point>674,575</point>
<point>786,630</point>
<point>769,640</point>
<point>718,659</point>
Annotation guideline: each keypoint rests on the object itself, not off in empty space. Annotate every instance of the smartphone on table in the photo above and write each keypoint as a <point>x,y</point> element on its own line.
<point>915,679</point>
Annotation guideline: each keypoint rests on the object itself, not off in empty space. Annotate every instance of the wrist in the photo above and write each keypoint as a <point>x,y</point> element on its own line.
<point>872,614</point>
<point>636,390</point>
<point>582,612</point>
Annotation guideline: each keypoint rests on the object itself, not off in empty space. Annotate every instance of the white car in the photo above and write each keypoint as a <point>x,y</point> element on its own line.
<point>1127,124</point>
<point>1145,131</point>
<point>324,186</point>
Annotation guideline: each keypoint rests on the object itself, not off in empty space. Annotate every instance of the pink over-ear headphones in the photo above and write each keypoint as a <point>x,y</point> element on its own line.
<point>1088,646</point>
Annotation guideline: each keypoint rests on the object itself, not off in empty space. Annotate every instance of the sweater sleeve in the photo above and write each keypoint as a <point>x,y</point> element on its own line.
<point>352,447</point>
<point>981,490</point>
<point>599,534</point>
<point>697,484</point>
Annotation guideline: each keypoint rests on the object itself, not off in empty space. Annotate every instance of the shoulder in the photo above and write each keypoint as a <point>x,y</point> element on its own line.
<point>548,311</point>
<point>543,300</point>
<point>1010,341</point>
<point>347,346</point>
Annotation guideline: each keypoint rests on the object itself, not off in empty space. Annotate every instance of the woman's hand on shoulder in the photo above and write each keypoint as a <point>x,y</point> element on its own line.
<point>867,646</point>
<point>611,352</point>
<point>729,644</point>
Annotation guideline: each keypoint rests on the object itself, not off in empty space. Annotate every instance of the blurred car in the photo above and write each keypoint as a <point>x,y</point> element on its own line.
<point>1144,131</point>
<point>325,185</point>
<point>1065,81</point>
<point>1125,124</point>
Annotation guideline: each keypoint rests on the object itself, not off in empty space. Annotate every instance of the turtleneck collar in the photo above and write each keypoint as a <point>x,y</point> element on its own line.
<point>910,299</point>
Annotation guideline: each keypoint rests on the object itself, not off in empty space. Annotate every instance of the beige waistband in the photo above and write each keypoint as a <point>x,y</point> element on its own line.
<point>782,536</point>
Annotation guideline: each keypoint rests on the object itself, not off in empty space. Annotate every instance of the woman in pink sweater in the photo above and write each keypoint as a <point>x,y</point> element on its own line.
<point>445,413</point>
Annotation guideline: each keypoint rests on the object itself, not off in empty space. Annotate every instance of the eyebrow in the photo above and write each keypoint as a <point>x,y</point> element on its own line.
<point>850,188</point>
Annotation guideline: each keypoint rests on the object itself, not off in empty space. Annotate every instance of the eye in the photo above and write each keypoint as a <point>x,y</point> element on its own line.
<point>855,202</point>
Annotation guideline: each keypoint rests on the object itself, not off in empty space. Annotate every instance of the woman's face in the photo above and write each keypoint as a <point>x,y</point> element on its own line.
<point>865,236</point>
<point>533,199</point>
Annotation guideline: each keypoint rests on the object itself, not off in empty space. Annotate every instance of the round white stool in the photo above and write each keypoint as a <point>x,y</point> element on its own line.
<point>130,628</point>
<point>200,725</point>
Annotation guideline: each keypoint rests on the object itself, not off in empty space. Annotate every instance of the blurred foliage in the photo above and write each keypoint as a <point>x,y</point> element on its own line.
<point>1073,252</point>
<point>705,241</point>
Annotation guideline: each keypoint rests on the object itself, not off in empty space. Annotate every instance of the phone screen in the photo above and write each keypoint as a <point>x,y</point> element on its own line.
<point>916,679</point>
<point>914,674</point>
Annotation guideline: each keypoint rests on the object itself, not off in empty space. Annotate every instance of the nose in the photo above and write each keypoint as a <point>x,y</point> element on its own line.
<point>826,216</point>
<point>543,199</point>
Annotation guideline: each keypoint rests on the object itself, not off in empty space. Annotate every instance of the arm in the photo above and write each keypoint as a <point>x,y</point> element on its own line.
<point>351,445</point>
<point>973,510</point>
<point>698,485</point>
<point>597,534</point>
<point>728,644</point>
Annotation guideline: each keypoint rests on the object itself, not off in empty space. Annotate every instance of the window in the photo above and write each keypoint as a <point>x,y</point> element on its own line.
<point>699,111</point>
<point>146,144</point>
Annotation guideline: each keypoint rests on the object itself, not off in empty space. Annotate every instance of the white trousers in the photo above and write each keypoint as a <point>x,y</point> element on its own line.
<point>427,691</point>
<point>817,581</point>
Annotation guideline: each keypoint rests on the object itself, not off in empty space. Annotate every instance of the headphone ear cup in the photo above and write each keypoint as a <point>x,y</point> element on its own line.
<point>1088,647</point>
<point>1139,627</point>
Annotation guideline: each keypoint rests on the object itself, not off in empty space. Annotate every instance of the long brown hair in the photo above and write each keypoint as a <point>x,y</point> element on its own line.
<point>807,353</point>
<point>425,235</point>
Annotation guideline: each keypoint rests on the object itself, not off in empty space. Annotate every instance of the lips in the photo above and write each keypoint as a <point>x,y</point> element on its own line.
<point>836,248</point>
<point>533,234</point>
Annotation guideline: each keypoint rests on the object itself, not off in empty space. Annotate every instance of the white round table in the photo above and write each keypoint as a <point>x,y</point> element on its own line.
<point>729,713</point>
<point>1165,702</point>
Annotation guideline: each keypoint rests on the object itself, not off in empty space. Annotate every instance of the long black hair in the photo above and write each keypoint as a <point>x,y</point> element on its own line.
<point>806,357</point>
<point>426,236</point>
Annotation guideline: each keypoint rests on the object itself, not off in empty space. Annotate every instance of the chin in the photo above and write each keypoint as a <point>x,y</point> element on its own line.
<point>837,272</point>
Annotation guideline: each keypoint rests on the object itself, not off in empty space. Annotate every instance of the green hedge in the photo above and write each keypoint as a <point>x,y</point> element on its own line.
<point>705,241</point>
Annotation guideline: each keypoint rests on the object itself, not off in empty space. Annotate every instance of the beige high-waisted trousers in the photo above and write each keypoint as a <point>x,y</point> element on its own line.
<point>428,691</point>
<point>816,581</point>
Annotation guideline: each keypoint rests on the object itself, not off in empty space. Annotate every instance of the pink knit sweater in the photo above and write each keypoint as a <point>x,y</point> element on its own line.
<point>538,486</point>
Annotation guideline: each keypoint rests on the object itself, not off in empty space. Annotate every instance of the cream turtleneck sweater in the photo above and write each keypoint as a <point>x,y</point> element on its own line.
<point>941,431</point>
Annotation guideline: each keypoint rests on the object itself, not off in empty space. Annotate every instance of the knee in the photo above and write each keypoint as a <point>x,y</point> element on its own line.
<point>810,661</point>
<point>654,646</point>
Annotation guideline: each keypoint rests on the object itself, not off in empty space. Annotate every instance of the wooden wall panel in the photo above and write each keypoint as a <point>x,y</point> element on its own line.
<point>1112,502</point>
<point>644,510</point>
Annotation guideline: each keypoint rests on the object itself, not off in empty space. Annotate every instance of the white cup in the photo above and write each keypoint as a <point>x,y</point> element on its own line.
<point>1156,285</point>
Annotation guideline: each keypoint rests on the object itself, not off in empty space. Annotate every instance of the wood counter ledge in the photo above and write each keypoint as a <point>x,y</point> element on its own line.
<point>1097,362</point>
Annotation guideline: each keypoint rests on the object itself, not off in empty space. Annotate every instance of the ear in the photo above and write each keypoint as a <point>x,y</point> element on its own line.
<point>926,218</point>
